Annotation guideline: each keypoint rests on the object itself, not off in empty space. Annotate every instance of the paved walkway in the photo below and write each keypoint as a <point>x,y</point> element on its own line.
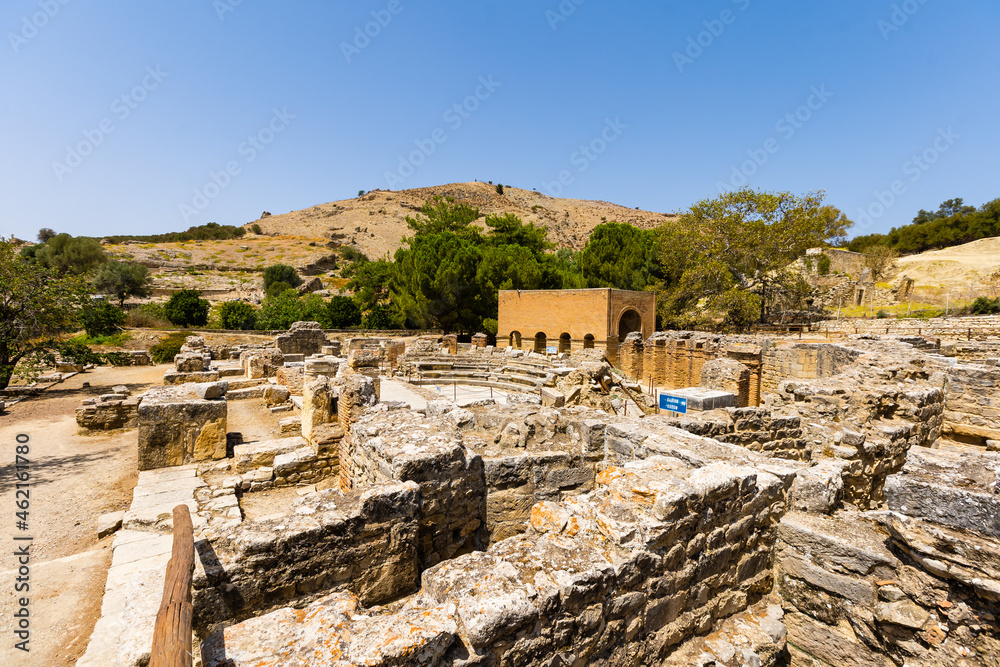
<point>391,390</point>
<point>138,566</point>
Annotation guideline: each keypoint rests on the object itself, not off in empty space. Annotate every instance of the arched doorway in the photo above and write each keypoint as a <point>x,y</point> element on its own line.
<point>515,339</point>
<point>588,342</point>
<point>564,343</point>
<point>630,321</point>
<point>540,342</point>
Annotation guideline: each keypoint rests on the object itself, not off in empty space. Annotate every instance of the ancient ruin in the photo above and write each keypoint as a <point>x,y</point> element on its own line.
<point>816,503</point>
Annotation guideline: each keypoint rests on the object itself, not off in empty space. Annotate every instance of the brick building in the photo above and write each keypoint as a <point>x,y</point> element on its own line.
<point>573,319</point>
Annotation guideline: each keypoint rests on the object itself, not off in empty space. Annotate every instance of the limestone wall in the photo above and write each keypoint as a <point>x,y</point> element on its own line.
<point>972,408</point>
<point>177,427</point>
<point>365,542</point>
<point>386,447</point>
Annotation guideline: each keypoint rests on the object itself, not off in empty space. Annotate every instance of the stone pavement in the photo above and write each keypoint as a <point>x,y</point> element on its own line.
<point>140,553</point>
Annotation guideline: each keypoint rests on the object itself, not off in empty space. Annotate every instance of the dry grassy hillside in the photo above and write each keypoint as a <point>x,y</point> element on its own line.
<point>953,267</point>
<point>375,223</point>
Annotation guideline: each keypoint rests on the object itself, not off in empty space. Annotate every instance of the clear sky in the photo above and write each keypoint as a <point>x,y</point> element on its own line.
<point>150,117</point>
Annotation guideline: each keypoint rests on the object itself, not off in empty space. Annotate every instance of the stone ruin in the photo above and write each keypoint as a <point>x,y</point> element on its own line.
<point>844,511</point>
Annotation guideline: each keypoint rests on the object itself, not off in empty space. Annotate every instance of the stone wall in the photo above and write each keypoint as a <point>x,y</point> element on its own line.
<point>107,412</point>
<point>365,542</point>
<point>177,427</point>
<point>972,407</point>
<point>804,361</point>
<point>302,338</point>
<point>386,447</point>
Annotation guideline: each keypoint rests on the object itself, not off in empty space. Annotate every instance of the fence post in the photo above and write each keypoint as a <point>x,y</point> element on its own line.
<point>172,632</point>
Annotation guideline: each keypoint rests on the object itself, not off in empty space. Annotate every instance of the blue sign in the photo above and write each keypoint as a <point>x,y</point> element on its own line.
<point>673,403</point>
<point>552,349</point>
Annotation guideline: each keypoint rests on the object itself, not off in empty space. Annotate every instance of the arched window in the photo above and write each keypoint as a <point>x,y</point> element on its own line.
<point>564,343</point>
<point>515,339</point>
<point>588,342</point>
<point>540,342</point>
<point>630,321</point>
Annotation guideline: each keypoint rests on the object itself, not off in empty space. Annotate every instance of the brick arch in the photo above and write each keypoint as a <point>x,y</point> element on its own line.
<point>541,341</point>
<point>565,342</point>
<point>628,321</point>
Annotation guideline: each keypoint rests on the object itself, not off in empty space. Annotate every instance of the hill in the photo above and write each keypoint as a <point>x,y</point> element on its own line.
<point>375,222</point>
<point>958,266</point>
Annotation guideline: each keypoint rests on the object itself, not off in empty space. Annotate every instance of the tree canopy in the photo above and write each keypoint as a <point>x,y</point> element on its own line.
<point>35,304</point>
<point>954,223</point>
<point>622,256</point>
<point>734,251</point>
<point>123,280</point>
<point>66,254</point>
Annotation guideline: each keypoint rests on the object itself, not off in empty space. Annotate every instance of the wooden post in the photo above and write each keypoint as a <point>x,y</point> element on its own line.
<point>172,632</point>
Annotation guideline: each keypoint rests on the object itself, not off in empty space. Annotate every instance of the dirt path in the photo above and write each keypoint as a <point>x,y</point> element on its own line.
<point>74,479</point>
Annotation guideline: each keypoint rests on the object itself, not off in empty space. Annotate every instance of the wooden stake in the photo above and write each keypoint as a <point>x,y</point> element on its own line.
<point>172,632</point>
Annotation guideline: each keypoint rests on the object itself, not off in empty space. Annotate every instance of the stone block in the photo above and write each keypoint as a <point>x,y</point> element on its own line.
<point>304,338</point>
<point>210,390</point>
<point>819,488</point>
<point>177,427</point>
<point>109,523</point>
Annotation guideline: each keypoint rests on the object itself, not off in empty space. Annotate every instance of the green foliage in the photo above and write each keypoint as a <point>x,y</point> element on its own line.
<point>35,304</point>
<point>880,260</point>
<point>881,315</point>
<point>66,254</point>
<point>101,318</point>
<point>148,315</point>
<point>211,231</point>
<point>744,241</point>
<point>277,288</point>
<point>823,265</point>
<point>45,233</point>
<point>379,318</point>
<point>499,189</point>
<point>490,326</point>
<point>168,348</point>
<point>371,283</point>
<point>77,353</point>
<point>742,308</point>
<point>255,228</point>
<point>954,223</point>
<point>237,315</point>
<point>281,311</point>
<point>123,280</point>
<point>281,273</point>
<point>185,308</point>
<point>119,339</point>
<point>985,306</point>
<point>442,214</point>
<point>352,254</point>
<point>343,313</point>
<point>621,256</point>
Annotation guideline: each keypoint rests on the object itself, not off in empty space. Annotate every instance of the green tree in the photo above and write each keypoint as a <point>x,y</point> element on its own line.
<point>186,308</point>
<point>101,318</point>
<point>281,273</point>
<point>378,318</point>
<point>45,233</point>
<point>66,254</point>
<point>435,282</point>
<point>255,228</point>
<point>343,312</point>
<point>123,280</point>
<point>442,214</point>
<point>237,315</point>
<point>283,310</point>
<point>621,256</point>
<point>371,283</point>
<point>744,241</point>
<point>274,289</point>
<point>35,304</point>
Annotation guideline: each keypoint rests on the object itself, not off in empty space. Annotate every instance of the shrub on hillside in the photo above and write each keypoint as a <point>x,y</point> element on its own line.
<point>186,308</point>
<point>101,318</point>
<point>985,306</point>
<point>281,273</point>
<point>147,316</point>
<point>237,315</point>
<point>168,348</point>
<point>343,312</point>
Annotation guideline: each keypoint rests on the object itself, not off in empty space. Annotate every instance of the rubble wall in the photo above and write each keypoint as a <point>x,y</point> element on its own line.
<point>972,406</point>
<point>364,542</point>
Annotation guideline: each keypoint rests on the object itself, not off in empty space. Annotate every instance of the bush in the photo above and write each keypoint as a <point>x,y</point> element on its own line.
<point>101,318</point>
<point>277,288</point>
<point>281,273</point>
<point>985,306</point>
<point>185,308</point>
<point>279,311</point>
<point>237,315</point>
<point>378,317</point>
<point>343,312</point>
<point>148,316</point>
<point>823,265</point>
<point>255,228</point>
<point>881,315</point>
<point>78,353</point>
<point>499,189</point>
<point>168,348</point>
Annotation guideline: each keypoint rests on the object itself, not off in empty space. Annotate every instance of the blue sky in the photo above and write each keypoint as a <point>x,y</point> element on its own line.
<point>149,117</point>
